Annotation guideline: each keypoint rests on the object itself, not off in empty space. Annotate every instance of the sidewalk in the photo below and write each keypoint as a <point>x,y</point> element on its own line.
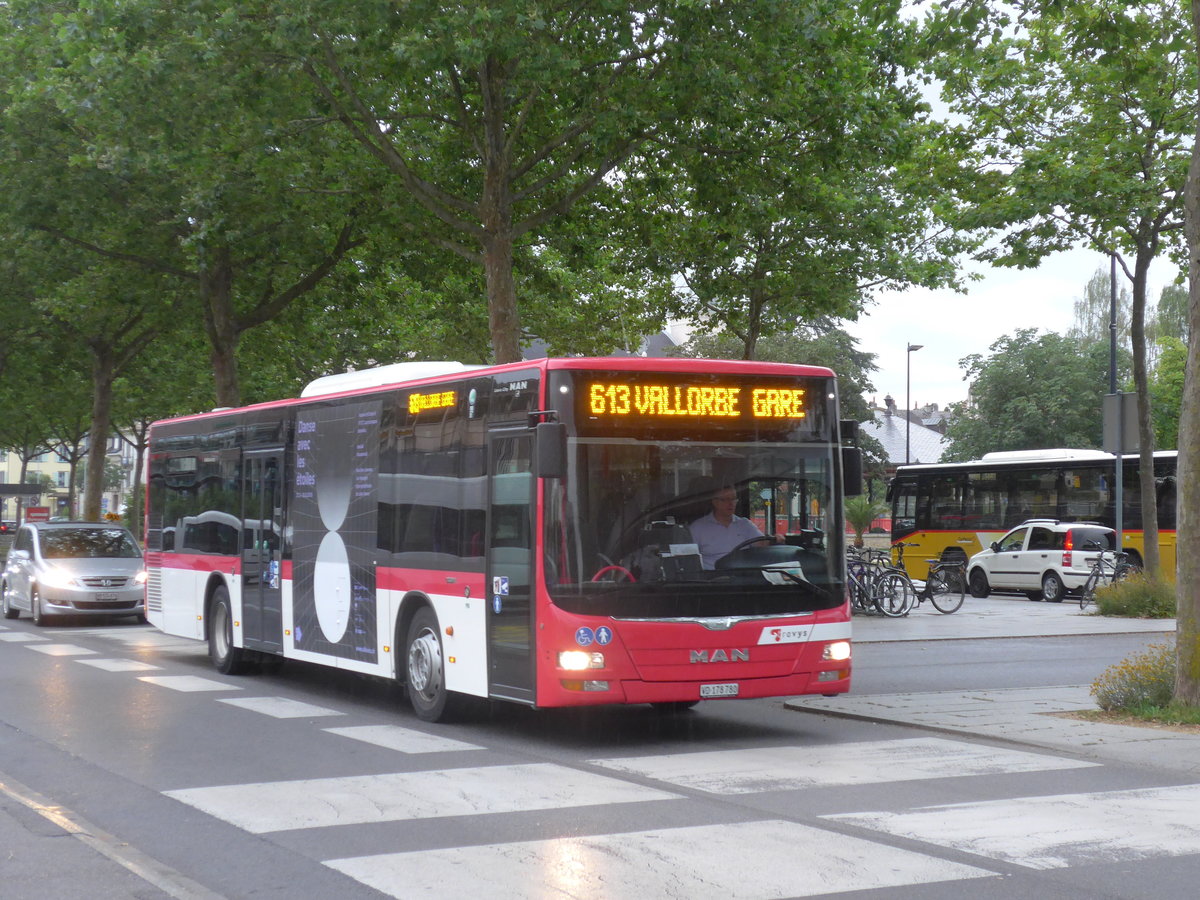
<point>1020,715</point>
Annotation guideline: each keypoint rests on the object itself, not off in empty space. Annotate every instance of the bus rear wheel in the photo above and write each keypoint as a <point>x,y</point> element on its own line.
<point>425,668</point>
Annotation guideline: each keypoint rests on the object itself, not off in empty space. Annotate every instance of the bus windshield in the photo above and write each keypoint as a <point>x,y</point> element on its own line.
<point>619,537</point>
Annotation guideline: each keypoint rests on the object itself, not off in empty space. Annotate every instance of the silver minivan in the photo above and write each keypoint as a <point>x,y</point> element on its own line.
<point>74,569</point>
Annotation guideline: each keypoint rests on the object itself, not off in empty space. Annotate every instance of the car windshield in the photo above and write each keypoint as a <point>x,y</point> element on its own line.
<point>88,543</point>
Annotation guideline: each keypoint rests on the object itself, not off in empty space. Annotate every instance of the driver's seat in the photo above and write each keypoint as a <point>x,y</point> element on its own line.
<point>662,552</point>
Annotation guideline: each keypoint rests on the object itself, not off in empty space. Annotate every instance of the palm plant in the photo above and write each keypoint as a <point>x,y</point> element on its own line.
<point>861,511</point>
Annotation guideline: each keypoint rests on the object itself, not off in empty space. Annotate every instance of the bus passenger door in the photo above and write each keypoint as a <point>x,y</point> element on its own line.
<point>509,574</point>
<point>262,550</point>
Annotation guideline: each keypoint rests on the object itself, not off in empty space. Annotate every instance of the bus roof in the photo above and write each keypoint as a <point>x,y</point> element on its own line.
<point>407,374</point>
<point>1019,458</point>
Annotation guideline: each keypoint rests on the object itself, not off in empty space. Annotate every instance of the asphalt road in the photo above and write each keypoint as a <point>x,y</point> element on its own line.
<point>312,784</point>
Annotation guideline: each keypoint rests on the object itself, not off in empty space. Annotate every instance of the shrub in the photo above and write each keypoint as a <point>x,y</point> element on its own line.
<point>1142,681</point>
<point>1137,596</point>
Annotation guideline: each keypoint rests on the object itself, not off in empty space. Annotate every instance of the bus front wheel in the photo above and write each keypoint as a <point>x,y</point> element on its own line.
<point>425,667</point>
<point>226,658</point>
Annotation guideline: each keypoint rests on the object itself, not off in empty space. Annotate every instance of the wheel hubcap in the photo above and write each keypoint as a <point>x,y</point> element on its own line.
<point>425,664</point>
<point>222,631</point>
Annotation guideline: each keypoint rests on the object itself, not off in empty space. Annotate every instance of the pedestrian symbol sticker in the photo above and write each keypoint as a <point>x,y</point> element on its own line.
<point>603,635</point>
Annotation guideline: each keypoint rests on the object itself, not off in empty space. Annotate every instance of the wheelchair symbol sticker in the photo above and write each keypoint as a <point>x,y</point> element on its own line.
<point>584,637</point>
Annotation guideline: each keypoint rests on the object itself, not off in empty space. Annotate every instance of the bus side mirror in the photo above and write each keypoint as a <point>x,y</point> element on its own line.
<point>852,471</point>
<point>551,440</point>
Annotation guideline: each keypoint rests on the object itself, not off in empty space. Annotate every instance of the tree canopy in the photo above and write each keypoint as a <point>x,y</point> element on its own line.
<point>1032,392</point>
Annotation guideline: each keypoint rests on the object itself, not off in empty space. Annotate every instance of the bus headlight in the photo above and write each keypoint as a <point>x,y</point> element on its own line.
<point>579,660</point>
<point>837,650</point>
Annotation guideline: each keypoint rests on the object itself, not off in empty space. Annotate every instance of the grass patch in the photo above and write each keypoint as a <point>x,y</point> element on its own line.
<point>1170,718</point>
<point>1138,597</point>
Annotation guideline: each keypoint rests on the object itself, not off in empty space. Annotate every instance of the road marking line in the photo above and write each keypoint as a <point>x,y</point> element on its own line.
<point>150,870</point>
<point>188,683</point>
<point>1057,831</point>
<point>764,860</point>
<point>354,800</point>
<point>281,707</point>
<point>403,740</point>
<point>118,665</point>
<point>795,768</point>
<point>61,650</point>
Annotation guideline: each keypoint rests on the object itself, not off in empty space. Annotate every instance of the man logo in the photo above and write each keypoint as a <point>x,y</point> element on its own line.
<point>734,655</point>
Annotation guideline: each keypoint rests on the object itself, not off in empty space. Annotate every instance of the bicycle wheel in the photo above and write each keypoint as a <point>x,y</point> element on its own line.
<point>860,601</point>
<point>894,594</point>
<point>1087,593</point>
<point>947,588</point>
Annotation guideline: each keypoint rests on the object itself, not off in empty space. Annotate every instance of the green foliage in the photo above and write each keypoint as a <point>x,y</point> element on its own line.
<point>1033,392</point>
<point>1144,680</point>
<point>861,511</point>
<point>135,510</point>
<point>1166,391</point>
<point>1138,596</point>
<point>818,344</point>
<point>808,181</point>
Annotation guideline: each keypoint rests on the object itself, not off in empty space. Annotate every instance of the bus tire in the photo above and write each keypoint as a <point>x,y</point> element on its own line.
<point>425,668</point>
<point>226,658</point>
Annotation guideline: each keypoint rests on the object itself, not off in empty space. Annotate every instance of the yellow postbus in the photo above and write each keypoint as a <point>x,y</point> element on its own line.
<point>953,510</point>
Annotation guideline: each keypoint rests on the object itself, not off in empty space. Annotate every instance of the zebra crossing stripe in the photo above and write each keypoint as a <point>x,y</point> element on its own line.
<point>62,649</point>
<point>764,860</point>
<point>188,683</point>
<point>118,665</point>
<point>402,740</point>
<point>1057,831</point>
<point>281,707</point>
<point>321,802</point>
<point>793,768</point>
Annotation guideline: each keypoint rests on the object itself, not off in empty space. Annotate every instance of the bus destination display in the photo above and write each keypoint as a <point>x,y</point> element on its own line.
<point>695,401</point>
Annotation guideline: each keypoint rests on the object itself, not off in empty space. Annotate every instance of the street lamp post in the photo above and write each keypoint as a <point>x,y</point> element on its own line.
<point>908,397</point>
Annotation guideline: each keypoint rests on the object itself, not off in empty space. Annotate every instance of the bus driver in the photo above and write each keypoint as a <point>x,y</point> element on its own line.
<point>719,532</point>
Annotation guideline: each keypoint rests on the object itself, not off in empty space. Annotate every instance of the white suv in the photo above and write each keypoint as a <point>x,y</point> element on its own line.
<point>1043,558</point>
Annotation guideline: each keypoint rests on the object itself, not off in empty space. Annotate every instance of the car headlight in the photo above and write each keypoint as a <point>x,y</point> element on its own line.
<point>57,578</point>
<point>141,577</point>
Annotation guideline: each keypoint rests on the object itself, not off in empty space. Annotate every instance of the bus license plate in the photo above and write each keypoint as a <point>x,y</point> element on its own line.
<point>718,690</point>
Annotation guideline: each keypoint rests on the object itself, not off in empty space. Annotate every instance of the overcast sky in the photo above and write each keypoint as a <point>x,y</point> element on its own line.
<point>951,325</point>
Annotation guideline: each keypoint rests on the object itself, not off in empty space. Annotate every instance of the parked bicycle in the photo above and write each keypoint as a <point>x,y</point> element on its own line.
<point>876,587</point>
<point>946,584</point>
<point>1110,566</point>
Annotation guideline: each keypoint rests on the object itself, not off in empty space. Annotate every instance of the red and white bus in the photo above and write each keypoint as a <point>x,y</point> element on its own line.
<point>515,532</point>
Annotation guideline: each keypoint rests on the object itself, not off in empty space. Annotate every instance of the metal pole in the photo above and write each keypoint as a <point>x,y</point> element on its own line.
<point>1119,479</point>
<point>908,397</point>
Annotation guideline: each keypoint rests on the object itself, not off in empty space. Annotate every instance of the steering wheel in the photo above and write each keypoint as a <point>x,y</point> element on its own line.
<point>614,570</point>
<point>744,544</point>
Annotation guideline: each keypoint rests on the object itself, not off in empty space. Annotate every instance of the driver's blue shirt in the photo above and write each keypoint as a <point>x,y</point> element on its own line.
<point>716,540</point>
